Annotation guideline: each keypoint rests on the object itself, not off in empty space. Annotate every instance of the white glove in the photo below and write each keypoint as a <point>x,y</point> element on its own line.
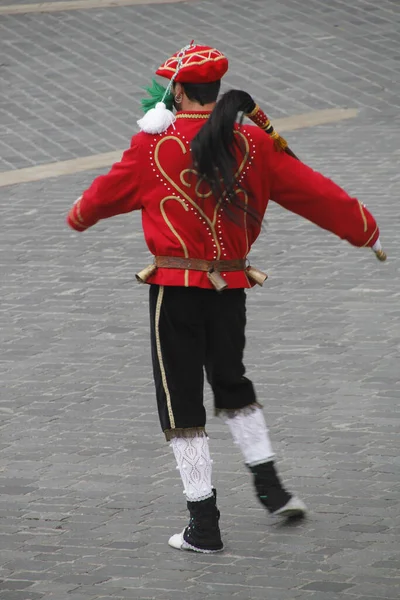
<point>377,248</point>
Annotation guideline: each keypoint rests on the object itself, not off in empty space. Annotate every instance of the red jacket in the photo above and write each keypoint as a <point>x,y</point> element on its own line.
<point>155,175</point>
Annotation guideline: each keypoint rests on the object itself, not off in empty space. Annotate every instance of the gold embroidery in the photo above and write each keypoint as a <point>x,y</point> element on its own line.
<point>211,223</point>
<point>176,234</point>
<point>246,153</point>
<point>160,358</point>
<point>363,216</point>
<point>207,54</point>
<point>182,177</point>
<point>193,115</point>
<point>201,181</point>
<point>369,239</point>
<point>182,192</point>
<point>198,183</point>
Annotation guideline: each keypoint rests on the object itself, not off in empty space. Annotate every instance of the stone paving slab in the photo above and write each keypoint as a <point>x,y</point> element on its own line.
<point>83,3</point>
<point>22,2</point>
<point>74,80</point>
<point>67,5</point>
<point>89,493</point>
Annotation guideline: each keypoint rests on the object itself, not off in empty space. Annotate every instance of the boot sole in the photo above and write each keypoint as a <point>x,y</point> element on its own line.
<point>294,508</point>
<point>189,547</point>
<point>291,513</point>
<point>178,542</point>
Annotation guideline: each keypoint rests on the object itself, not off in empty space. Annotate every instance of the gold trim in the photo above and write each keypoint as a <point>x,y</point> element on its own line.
<point>191,64</point>
<point>198,183</point>
<point>193,116</point>
<point>159,355</point>
<point>172,228</point>
<point>210,223</point>
<point>78,211</point>
<point>173,60</point>
<point>75,222</point>
<point>246,154</point>
<point>253,112</point>
<point>369,239</point>
<point>182,177</point>
<point>184,432</point>
<point>363,216</point>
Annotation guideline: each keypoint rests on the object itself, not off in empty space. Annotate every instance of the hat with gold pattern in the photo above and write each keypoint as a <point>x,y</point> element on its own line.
<point>192,64</point>
<point>199,64</point>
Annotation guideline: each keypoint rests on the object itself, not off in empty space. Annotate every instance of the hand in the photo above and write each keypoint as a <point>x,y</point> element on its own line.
<point>377,248</point>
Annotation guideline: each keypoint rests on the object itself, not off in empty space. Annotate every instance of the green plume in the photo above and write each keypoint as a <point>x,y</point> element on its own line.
<point>157,91</point>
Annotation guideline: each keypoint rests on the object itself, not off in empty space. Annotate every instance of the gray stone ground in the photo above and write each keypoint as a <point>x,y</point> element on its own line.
<point>89,493</point>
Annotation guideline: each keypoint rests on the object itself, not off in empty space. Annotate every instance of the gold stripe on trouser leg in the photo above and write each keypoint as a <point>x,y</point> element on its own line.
<point>160,358</point>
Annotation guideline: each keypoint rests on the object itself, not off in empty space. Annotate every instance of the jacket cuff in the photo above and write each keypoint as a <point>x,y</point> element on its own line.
<point>75,219</point>
<point>73,223</point>
<point>372,239</point>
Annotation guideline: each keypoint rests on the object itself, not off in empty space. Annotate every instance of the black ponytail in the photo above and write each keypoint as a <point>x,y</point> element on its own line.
<point>214,149</point>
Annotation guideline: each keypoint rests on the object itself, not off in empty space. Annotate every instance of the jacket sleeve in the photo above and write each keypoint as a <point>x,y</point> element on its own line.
<point>111,194</point>
<point>298,188</point>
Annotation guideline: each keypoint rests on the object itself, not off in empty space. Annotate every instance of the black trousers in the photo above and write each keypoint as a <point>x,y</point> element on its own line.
<point>193,329</point>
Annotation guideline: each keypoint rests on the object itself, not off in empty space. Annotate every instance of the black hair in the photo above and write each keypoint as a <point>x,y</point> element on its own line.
<point>214,150</point>
<point>203,93</point>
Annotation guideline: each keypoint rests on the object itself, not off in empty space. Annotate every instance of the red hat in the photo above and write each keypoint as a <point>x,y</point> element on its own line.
<point>195,64</point>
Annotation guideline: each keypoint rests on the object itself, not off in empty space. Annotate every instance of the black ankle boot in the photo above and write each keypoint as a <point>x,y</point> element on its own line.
<point>202,534</point>
<point>269,488</point>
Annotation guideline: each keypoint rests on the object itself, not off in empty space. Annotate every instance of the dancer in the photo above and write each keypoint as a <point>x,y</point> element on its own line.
<point>203,182</point>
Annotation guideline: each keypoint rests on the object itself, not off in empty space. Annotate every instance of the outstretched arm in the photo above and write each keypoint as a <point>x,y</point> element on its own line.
<point>298,188</point>
<point>111,194</point>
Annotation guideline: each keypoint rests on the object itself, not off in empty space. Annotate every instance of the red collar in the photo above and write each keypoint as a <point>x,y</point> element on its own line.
<point>193,114</point>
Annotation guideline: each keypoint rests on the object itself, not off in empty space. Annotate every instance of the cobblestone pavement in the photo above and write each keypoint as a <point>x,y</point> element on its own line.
<point>89,493</point>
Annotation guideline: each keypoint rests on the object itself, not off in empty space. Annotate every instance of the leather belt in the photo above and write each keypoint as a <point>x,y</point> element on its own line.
<point>213,268</point>
<point>199,264</point>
